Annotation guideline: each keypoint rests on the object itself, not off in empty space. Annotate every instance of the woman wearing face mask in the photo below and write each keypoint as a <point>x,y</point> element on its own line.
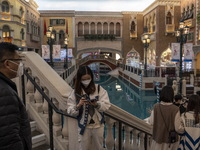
<point>88,101</point>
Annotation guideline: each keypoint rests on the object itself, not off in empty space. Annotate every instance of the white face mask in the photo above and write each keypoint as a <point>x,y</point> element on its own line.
<point>86,82</point>
<point>20,70</point>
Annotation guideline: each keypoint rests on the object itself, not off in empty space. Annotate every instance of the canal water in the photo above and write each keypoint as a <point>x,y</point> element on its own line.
<point>127,96</point>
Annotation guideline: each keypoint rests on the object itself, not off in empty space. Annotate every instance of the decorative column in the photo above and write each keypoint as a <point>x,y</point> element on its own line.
<point>109,139</point>
<point>30,90</point>
<point>142,135</point>
<point>38,98</point>
<point>127,143</point>
<point>56,119</point>
<point>45,107</point>
<point>135,137</point>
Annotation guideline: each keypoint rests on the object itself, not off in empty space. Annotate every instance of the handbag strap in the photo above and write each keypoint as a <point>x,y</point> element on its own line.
<point>163,119</point>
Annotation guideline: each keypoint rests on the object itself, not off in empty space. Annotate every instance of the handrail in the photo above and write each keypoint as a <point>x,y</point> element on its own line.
<point>46,97</point>
<point>53,107</point>
<point>50,105</point>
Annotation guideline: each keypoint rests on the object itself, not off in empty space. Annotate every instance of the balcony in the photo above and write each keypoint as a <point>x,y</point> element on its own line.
<point>133,34</point>
<point>94,37</point>
<point>170,28</point>
<point>5,16</point>
<point>190,23</point>
<point>6,39</point>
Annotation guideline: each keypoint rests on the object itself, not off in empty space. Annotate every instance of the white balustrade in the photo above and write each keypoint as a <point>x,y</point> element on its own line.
<point>184,87</point>
<point>56,119</point>
<point>134,145</point>
<point>65,129</point>
<point>175,87</point>
<point>45,107</point>
<point>142,136</point>
<point>127,142</point>
<point>109,138</point>
<point>30,90</point>
<point>38,97</point>
<point>116,125</point>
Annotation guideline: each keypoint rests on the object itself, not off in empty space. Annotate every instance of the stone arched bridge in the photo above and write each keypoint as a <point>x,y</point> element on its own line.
<point>110,62</point>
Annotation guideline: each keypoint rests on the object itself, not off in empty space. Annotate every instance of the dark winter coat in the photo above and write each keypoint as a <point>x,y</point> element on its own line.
<point>15,131</point>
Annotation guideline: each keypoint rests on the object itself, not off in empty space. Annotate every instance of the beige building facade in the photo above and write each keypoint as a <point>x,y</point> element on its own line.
<point>13,23</point>
<point>98,33</point>
<point>63,23</point>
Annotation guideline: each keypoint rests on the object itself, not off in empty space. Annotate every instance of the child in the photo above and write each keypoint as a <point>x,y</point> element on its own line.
<point>88,101</point>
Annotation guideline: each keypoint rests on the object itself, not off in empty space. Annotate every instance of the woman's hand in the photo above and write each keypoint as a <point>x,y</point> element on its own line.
<point>81,102</point>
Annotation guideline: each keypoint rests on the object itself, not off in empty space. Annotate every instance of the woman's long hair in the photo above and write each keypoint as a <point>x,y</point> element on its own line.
<point>167,94</point>
<point>194,105</point>
<point>90,89</point>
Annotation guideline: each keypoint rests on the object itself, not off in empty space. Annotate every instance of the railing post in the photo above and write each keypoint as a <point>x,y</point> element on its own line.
<point>23,90</point>
<point>120,136</point>
<point>51,127</point>
<point>56,119</point>
<point>109,139</point>
<point>145,141</point>
<point>38,97</point>
<point>142,136</point>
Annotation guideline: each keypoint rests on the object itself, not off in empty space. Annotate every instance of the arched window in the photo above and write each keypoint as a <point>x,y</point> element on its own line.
<point>153,23</point>
<point>187,13</point>
<point>80,29</point>
<point>191,12</point>
<point>99,28</point>
<point>5,6</point>
<point>27,27</point>
<point>132,26</point>
<point>111,28</point>
<point>86,28</point>
<point>118,29</point>
<point>61,35</point>
<point>6,31</point>
<point>105,28</point>
<point>22,34</point>
<point>92,25</point>
<point>169,18</point>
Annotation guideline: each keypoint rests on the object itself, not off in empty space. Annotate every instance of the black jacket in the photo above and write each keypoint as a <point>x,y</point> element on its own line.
<point>15,131</point>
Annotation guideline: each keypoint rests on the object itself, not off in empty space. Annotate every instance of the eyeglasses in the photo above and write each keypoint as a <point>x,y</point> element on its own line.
<point>12,60</point>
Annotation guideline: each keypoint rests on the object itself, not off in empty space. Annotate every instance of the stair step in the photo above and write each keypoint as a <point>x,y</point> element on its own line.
<point>33,125</point>
<point>42,147</point>
<point>34,133</point>
<point>38,140</point>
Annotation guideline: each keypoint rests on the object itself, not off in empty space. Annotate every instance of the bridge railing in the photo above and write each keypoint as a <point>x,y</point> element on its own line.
<point>156,72</point>
<point>98,57</point>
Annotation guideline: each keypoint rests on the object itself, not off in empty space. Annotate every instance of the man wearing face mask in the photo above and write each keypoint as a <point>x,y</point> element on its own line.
<point>15,131</point>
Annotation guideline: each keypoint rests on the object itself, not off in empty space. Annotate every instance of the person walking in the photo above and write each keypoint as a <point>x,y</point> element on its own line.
<point>15,131</point>
<point>165,119</point>
<point>88,101</point>
<point>190,139</point>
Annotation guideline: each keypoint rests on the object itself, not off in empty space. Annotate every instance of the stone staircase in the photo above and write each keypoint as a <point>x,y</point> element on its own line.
<point>39,141</point>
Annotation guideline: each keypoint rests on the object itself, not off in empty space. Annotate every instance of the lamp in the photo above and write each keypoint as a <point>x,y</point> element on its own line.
<point>66,58</point>
<point>181,35</point>
<point>50,42</point>
<point>145,40</point>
